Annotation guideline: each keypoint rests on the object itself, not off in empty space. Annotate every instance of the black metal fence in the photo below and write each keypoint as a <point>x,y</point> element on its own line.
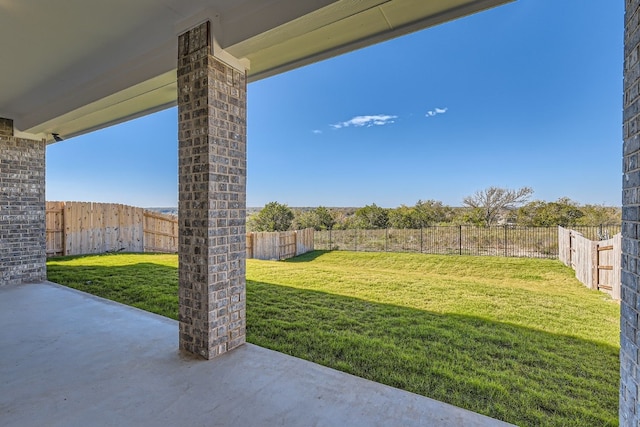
<point>508,241</point>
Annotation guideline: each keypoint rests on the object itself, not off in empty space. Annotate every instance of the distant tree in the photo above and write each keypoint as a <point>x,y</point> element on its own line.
<point>564,212</point>
<point>325,218</point>
<point>273,217</point>
<point>348,222</point>
<point>303,219</point>
<point>371,217</point>
<point>431,212</point>
<point>319,218</point>
<point>343,217</point>
<point>402,217</point>
<point>423,214</point>
<point>600,214</point>
<point>493,200</point>
<point>472,216</point>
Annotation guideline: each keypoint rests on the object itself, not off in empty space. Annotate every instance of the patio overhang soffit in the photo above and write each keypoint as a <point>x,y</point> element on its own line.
<point>73,66</point>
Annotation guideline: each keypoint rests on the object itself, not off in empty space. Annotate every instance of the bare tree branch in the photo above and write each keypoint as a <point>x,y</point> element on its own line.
<point>493,200</point>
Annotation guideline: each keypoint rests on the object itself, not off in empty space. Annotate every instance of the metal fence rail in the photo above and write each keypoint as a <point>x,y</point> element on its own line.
<point>509,241</point>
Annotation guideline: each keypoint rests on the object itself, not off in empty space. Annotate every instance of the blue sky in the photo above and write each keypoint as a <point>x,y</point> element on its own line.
<point>527,94</point>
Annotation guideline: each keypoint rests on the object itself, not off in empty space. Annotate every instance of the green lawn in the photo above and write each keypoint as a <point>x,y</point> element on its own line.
<point>516,339</point>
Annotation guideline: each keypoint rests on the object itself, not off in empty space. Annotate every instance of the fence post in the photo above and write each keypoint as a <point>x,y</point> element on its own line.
<point>420,239</point>
<point>330,245</point>
<point>594,266</point>
<point>249,244</point>
<point>355,240</point>
<point>617,253</point>
<point>570,257</point>
<point>460,239</point>
<point>386,239</point>
<point>505,240</point>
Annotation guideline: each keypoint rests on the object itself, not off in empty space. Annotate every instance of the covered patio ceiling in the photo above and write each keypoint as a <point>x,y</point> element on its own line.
<point>73,66</point>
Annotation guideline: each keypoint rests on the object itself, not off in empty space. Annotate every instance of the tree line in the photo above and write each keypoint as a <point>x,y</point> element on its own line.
<point>491,206</point>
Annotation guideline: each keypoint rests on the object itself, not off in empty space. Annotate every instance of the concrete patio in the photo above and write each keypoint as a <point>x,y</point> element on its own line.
<point>72,359</point>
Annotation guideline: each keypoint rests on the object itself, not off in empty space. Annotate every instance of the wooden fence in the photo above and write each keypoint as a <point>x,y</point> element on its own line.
<point>160,232</point>
<point>78,228</point>
<point>596,263</point>
<point>75,228</point>
<point>279,245</point>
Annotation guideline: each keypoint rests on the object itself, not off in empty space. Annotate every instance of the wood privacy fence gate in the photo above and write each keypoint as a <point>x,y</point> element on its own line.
<point>80,228</point>
<point>75,228</point>
<point>596,263</point>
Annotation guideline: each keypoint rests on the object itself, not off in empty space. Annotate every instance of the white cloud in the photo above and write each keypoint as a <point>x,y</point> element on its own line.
<point>436,111</point>
<point>316,131</point>
<point>368,121</point>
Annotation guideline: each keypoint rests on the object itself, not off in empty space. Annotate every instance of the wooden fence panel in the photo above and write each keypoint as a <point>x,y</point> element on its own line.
<point>287,245</point>
<point>75,228</point>
<point>106,229</point>
<point>616,277</point>
<point>581,258</point>
<point>70,225</point>
<point>55,228</point>
<point>249,245</point>
<point>608,265</point>
<point>605,267</point>
<point>160,232</point>
<point>279,245</point>
<point>93,228</point>
<point>135,225</point>
<point>304,241</point>
<point>564,245</point>
<point>92,234</point>
<point>266,246</point>
<point>596,263</point>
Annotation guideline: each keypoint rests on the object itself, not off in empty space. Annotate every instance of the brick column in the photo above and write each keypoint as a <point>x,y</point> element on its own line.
<point>22,208</point>
<point>212,197</point>
<point>629,410</point>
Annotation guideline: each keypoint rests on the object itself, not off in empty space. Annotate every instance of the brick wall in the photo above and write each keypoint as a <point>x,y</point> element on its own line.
<point>629,308</point>
<point>212,198</point>
<point>22,209</point>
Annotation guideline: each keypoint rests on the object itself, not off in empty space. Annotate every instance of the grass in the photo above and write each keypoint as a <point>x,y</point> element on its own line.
<point>517,339</point>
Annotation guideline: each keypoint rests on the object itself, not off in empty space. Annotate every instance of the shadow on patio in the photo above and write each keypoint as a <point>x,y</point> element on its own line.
<point>69,358</point>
